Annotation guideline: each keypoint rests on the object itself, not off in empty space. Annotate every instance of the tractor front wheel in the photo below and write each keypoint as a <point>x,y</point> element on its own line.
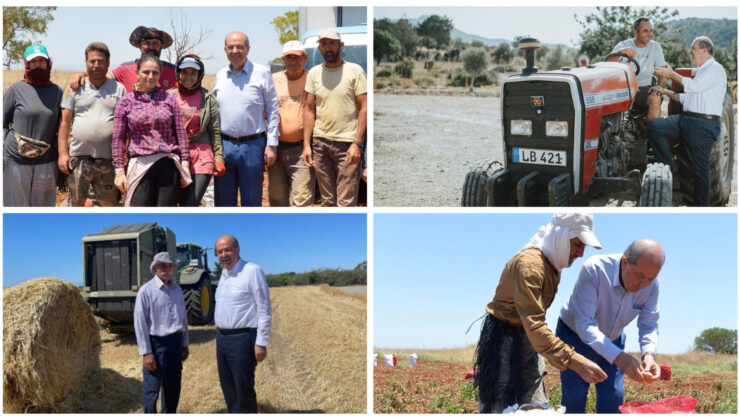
<point>199,302</point>
<point>475,190</point>
<point>657,186</point>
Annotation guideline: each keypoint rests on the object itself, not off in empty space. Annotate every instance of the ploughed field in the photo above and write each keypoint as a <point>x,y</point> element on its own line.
<point>437,384</point>
<point>315,361</point>
<point>423,146</point>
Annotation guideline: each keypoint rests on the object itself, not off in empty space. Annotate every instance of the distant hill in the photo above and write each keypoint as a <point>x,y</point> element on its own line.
<point>720,31</point>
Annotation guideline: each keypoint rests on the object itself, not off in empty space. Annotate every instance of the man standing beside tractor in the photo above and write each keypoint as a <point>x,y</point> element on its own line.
<point>649,55</point>
<point>699,124</point>
<point>162,335</point>
<point>243,317</point>
<point>611,291</point>
<point>508,366</point>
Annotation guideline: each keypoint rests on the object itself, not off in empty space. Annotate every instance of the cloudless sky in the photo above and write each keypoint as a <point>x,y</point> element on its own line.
<point>41,245</point>
<point>551,25</point>
<point>435,273</point>
<point>74,27</point>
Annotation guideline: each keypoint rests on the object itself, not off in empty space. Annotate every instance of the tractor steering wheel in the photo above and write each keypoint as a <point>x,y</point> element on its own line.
<point>630,59</point>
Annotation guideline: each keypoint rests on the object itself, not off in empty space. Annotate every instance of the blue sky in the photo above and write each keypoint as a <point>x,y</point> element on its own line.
<point>40,245</point>
<point>435,273</point>
<point>551,25</point>
<point>75,27</point>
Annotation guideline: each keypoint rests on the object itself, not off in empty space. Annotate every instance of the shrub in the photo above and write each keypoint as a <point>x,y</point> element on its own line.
<point>383,73</point>
<point>405,68</point>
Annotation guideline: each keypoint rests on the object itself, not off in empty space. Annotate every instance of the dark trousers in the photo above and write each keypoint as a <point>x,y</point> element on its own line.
<point>698,136</point>
<point>167,376</point>
<point>191,195</point>
<point>609,393</point>
<point>159,187</point>
<point>245,165</point>
<point>236,365</point>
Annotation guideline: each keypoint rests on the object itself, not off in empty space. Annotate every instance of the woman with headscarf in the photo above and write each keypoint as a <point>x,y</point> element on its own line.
<point>31,115</point>
<point>514,337</point>
<point>157,146</point>
<point>201,120</point>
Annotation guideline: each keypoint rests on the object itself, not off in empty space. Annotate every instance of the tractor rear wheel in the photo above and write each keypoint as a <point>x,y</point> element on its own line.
<point>722,161</point>
<point>199,302</point>
<point>657,186</point>
<point>475,192</point>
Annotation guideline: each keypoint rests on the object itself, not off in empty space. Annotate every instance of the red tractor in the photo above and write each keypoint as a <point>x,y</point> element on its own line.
<point>572,134</point>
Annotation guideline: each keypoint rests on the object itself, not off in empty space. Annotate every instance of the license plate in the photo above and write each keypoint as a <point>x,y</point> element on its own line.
<point>539,156</point>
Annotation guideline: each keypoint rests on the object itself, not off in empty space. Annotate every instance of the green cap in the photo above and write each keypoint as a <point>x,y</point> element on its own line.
<point>33,51</point>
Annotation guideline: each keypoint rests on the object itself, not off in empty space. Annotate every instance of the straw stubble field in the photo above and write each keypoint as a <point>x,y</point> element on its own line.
<point>316,362</point>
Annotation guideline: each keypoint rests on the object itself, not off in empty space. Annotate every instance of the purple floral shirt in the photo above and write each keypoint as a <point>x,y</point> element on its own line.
<point>154,124</point>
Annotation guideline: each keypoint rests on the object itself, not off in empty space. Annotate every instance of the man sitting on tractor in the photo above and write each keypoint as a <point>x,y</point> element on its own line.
<point>648,54</point>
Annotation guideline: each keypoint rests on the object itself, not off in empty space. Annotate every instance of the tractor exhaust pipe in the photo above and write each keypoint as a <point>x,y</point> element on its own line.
<point>529,46</point>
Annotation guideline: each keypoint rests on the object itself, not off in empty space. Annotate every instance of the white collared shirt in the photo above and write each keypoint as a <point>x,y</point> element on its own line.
<point>243,300</point>
<point>599,308</point>
<point>244,99</point>
<point>160,311</point>
<point>705,93</point>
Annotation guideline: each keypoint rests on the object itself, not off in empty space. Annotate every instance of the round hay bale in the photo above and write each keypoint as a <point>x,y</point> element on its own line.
<point>51,343</point>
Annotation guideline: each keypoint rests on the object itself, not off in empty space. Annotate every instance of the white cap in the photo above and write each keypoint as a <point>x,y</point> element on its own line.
<point>189,63</point>
<point>329,33</point>
<point>582,224</point>
<point>292,47</point>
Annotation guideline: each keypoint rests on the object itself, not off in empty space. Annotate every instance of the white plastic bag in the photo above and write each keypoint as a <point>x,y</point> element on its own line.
<point>388,360</point>
<point>412,360</point>
<point>375,359</point>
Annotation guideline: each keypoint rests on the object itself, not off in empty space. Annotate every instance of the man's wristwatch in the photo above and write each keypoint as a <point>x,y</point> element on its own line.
<point>359,144</point>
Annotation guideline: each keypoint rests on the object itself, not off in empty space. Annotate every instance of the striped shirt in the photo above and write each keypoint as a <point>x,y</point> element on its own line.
<point>159,311</point>
<point>154,124</point>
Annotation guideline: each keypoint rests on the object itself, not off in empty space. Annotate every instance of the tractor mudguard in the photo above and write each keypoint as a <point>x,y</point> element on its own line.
<point>187,279</point>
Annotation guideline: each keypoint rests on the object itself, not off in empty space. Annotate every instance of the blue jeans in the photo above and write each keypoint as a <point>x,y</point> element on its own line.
<point>167,376</point>
<point>236,365</point>
<point>245,165</point>
<point>609,393</point>
<point>698,136</point>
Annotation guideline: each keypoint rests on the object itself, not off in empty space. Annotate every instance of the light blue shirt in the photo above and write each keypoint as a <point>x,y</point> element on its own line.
<point>648,57</point>
<point>243,300</point>
<point>599,308</point>
<point>245,99</point>
<point>159,311</point>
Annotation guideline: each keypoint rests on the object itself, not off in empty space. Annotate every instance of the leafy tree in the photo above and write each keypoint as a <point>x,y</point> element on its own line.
<point>556,59</point>
<point>217,268</point>
<point>385,46</point>
<point>611,25</point>
<point>475,62</point>
<point>503,53</point>
<point>19,25</point>
<point>435,31</point>
<point>728,60</point>
<point>184,40</point>
<point>717,340</point>
<point>286,26</point>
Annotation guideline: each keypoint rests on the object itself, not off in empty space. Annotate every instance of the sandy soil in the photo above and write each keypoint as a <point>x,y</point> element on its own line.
<point>424,145</point>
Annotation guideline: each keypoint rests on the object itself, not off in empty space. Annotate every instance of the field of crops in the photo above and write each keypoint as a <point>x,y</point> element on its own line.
<point>437,384</point>
<point>315,362</point>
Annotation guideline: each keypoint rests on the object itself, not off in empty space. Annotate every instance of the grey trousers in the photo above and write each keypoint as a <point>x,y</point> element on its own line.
<point>29,185</point>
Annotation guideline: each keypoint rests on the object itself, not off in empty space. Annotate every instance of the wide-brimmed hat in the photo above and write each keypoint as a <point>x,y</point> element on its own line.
<point>582,224</point>
<point>33,51</point>
<point>142,33</point>
<point>162,257</point>
<point>293,47</point>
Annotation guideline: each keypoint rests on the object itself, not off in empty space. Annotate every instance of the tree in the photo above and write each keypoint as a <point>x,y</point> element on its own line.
<point>611,25</point>
<point>503,53</point>
<point>286,26</point>
<point>19,25</point>
<point>555,59</point>
<point>717,340</point>
<point>403,31</point>
<point>475,62</point>
<point>184,40</point>
<point>435,31</point>
<point>385,45</point>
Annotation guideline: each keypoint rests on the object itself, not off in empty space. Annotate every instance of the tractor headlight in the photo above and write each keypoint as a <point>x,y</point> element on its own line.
<point>521,127</point>
<point>556,129</point>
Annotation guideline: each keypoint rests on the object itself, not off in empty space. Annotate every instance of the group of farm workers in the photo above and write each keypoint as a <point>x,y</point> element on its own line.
<point>588,344</point>
<point>243,319</point>
<point>149,129</point>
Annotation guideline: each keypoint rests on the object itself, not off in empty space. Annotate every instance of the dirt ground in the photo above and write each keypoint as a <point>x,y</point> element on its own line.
<point>424,145</point>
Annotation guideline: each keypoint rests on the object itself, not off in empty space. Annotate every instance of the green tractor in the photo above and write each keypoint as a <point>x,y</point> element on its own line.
<point>197,282</point>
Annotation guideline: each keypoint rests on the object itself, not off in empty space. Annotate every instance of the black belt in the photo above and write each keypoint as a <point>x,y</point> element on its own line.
<point>236,330</point>
<point>245,138</point>
<point>289,144</point>
<point>705,116</point>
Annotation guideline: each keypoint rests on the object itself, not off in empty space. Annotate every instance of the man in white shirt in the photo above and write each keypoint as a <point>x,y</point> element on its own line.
<point>649,55</point>
<point>699,124</point>
<point>611,291</point>
<point>161,327</point>
<point>243,317</point>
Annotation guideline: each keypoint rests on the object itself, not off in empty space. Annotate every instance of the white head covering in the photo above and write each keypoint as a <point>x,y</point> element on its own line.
<point>554,239</point>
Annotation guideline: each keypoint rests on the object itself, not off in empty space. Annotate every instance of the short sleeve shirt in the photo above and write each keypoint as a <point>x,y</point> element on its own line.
<point>126,74</point>
<point>92,124</point>
<point>336,108</point>
<point>291,96</point>
<point>648,57</point>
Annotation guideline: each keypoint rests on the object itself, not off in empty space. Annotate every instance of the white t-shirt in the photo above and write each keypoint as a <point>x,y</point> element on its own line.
<point>648,57</point>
